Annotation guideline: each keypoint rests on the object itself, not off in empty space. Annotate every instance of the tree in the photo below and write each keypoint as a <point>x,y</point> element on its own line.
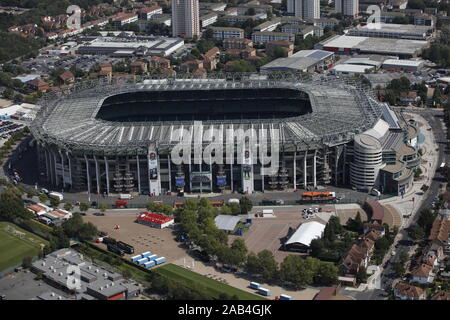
<point>356,224</point>
<point>332,228</point>
<point>361,276</point>
<point>269,267</point>
<point>417,172</point>
<point>11,205</point>
<point>278,52</point>
<point>399,269</point>
<point>426,219</point>
<point>43,197</point>
<point>245,204</point>
<point>416,232</point>
<point>293,271</point>
<point>316,247</point>
<point>54,202</point>
<point>103,207</point>
<point>253,265</point>
<point>26,262</point>
<point>8,93</point>
<point>327,273</point>
<point>382,244</point>
<point>84,206</point>
<point>68,206</point>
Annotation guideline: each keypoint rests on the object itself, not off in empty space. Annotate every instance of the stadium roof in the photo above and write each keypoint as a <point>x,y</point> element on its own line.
<point>379,130</point>
<point>390,117</point>
<point>307,232</point>
<point>341,108</point>
<point>225,222</point>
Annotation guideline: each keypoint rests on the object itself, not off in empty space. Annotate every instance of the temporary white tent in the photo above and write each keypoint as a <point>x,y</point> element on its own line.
<point>306,233</point>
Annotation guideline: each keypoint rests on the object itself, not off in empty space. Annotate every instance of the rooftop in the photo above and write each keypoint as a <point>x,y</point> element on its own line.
<point>154,217</point>
<point>307,232</point>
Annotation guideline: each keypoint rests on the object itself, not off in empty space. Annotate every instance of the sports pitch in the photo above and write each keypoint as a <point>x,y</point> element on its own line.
<point>16,244</point>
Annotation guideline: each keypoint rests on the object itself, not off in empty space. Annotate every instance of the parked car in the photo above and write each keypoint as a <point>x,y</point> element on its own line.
<point>100,214</point>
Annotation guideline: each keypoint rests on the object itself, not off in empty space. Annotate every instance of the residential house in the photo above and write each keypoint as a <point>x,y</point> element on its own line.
<point>422,274</point>
<point>263,37</point>
<point>66,77</point>
<point>208,19</point>
<point>237,43</point>
<point>146,13</point>
<point>159,62</point>
<point>221,33</point>
<point>210,58</point>
<point>409,97</point>
<point>439,233</point>
<point>138,67</point>
<point>38,85</point>
<point>106,67</point>
<point>405,291</point>
<point>441,295</point>
<point>191,65</point>
<point>248,53</point>
<point>287,46</point>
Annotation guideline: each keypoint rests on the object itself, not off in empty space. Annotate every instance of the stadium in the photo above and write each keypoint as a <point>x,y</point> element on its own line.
<point>116,136</point>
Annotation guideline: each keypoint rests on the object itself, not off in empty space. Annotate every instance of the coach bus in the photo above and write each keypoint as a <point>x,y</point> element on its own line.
<point>318,196</point>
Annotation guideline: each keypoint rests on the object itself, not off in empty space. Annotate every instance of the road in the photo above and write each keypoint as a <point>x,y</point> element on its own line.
<point>433,117</point>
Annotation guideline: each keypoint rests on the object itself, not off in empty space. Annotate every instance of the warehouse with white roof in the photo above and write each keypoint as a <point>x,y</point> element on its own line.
<point>403,65</point>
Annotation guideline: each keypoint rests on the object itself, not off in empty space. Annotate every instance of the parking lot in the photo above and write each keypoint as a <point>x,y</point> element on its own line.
<point>141,237</point>
<point>8,127</point>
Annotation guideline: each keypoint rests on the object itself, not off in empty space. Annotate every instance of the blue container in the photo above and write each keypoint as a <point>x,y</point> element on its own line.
<point>160,260</point>
<point>152,257</point>
<point>254,285</point>
<point>149,264</point>
<point>146,254</point>
<point>142,261</point>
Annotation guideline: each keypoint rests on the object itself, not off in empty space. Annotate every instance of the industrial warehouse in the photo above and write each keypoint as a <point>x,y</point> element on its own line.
<point>110,137</point>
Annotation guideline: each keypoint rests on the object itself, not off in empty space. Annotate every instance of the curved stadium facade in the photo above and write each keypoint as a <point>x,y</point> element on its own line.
<point>117,137</point>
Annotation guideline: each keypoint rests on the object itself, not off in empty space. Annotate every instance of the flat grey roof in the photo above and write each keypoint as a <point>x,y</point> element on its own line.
<point>227,223</point>
<point>294,63</point>
<point>391,46</point>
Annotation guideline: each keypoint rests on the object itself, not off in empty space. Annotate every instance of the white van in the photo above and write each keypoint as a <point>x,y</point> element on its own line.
<point>375,192</point>
<point>56,195</point>
<point>233,200</point>
<point>125,196</point>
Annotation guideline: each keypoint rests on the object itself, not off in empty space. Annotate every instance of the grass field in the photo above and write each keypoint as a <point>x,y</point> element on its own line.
<point>15,244</point>
<point>213,287</point>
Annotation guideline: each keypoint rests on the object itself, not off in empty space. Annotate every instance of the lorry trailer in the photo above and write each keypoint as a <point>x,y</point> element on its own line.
<point>160,260</point>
